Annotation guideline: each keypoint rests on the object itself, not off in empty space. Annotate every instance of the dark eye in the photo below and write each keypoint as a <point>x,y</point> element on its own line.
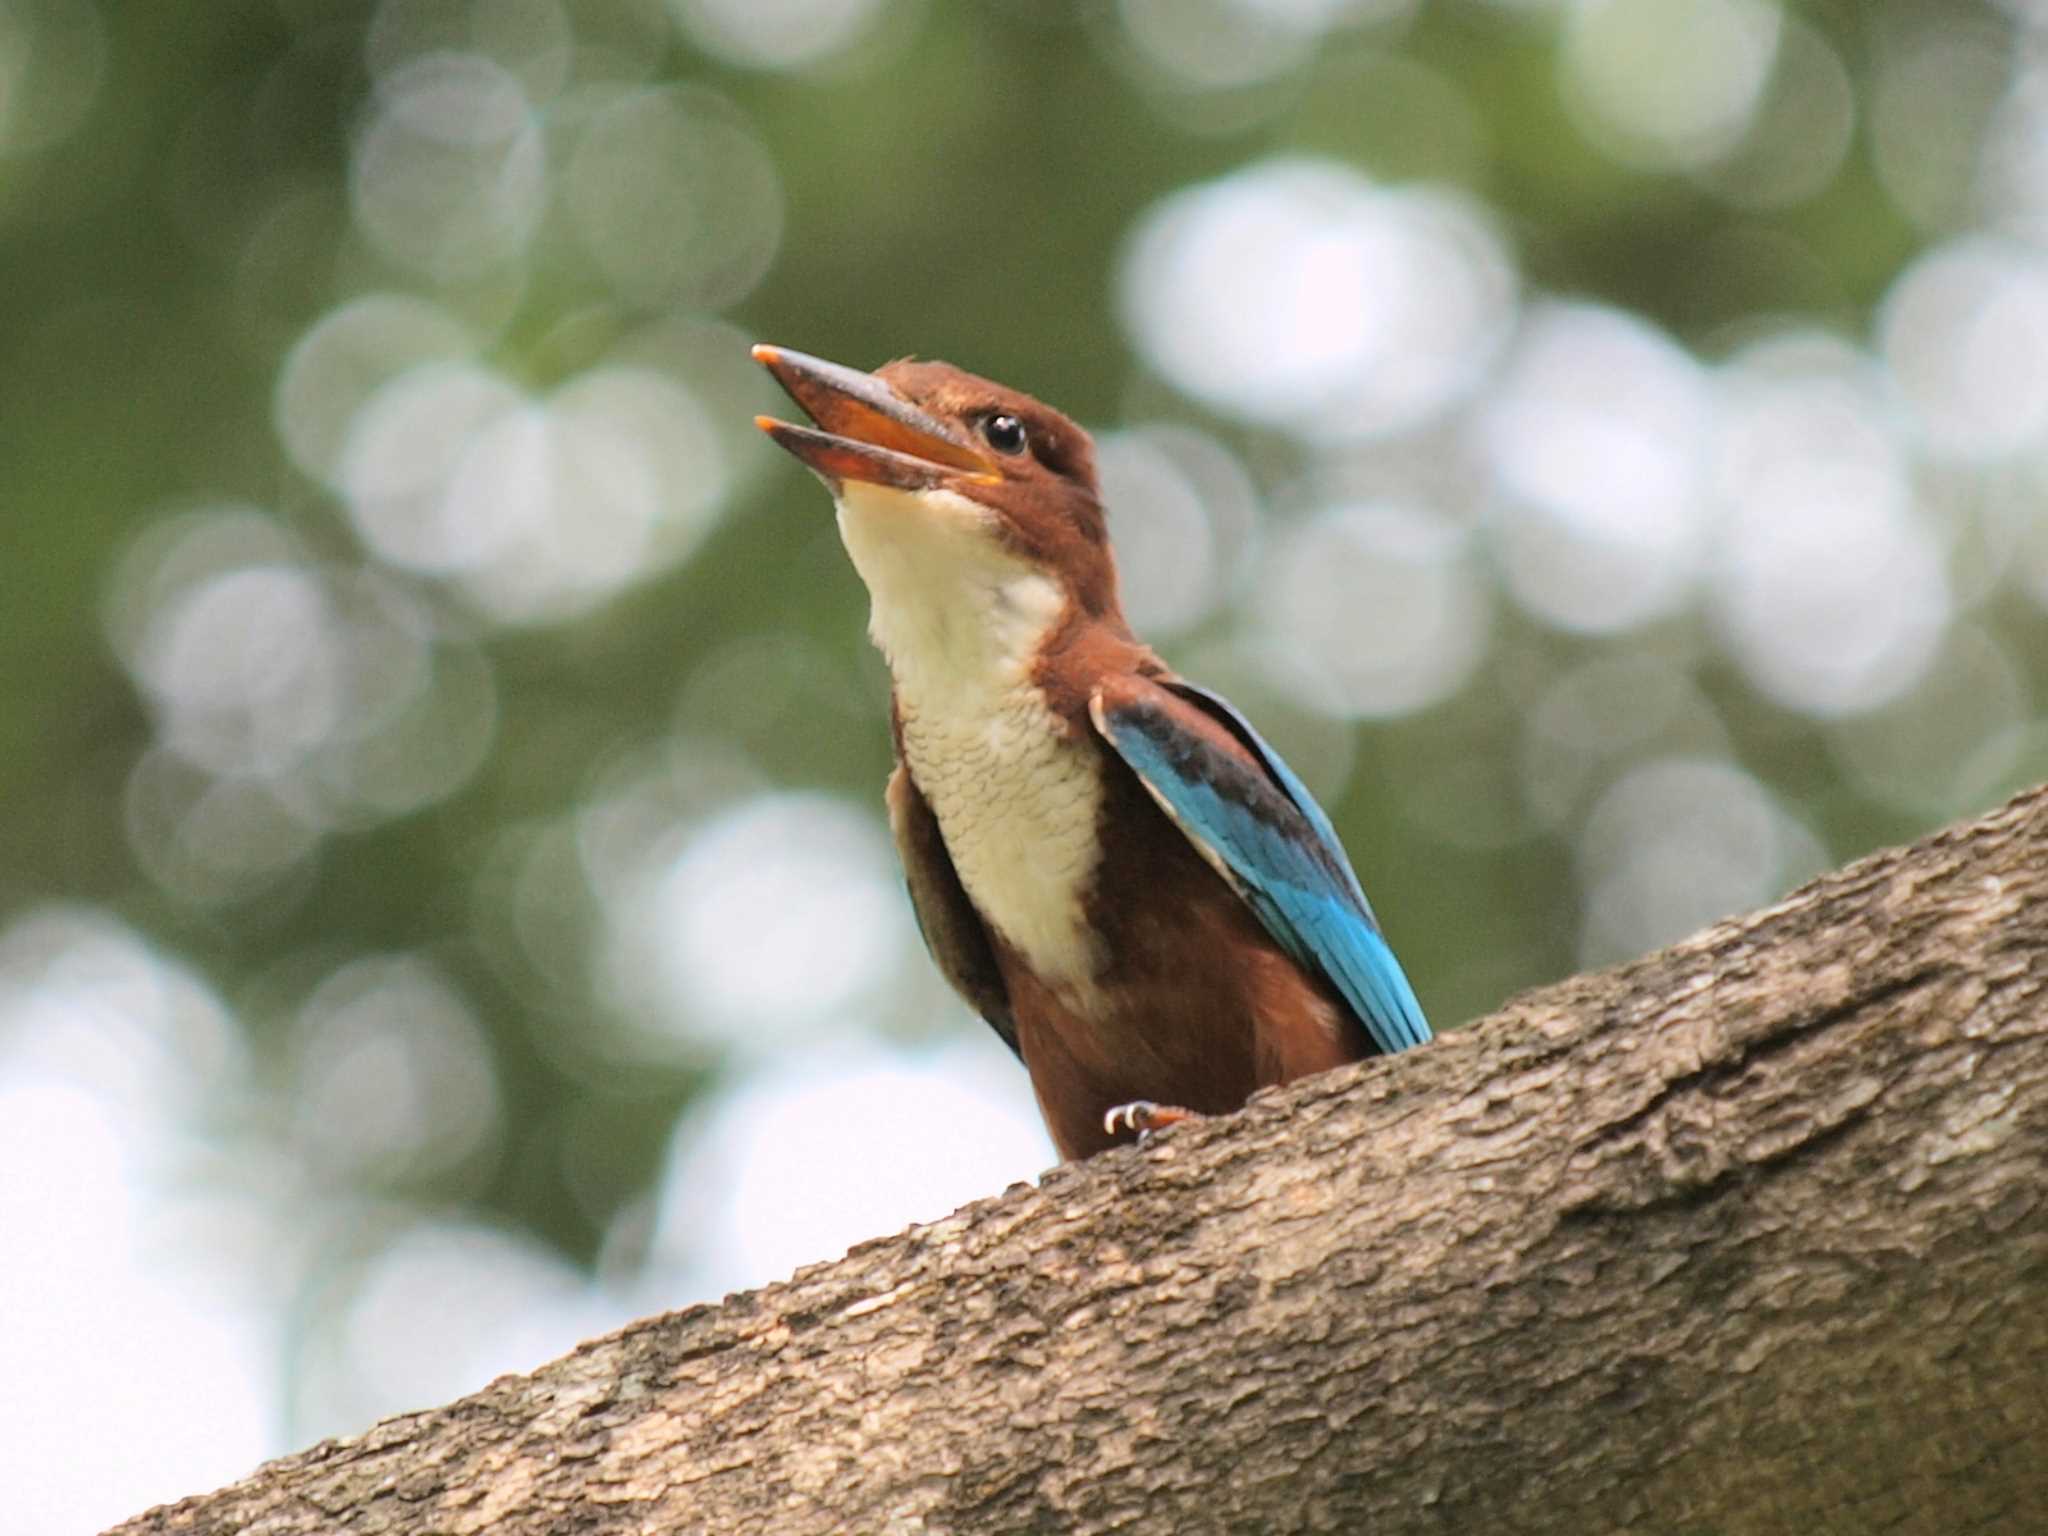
<point>1005,434</point>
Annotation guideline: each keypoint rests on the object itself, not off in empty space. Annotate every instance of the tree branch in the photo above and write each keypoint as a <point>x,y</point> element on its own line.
<point>1748,1235</point>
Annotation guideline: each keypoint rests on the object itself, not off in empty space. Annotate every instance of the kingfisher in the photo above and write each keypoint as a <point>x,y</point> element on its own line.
<point>1106,861</point>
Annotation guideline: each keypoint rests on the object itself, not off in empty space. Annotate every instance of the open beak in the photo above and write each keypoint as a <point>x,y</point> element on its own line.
<point>866,431</point>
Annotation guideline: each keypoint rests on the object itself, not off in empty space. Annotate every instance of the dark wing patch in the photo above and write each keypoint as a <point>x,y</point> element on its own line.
<point>952,929</point>
<point>1248,815</point>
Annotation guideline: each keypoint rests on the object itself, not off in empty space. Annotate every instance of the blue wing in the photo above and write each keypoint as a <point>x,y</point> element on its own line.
<point>1260,828</point>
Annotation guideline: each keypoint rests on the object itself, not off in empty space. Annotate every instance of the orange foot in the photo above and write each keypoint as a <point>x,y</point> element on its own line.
<point>1144,1117</point>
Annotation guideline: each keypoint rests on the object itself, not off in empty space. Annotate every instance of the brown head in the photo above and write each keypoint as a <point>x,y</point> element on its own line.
<point>939,438</point>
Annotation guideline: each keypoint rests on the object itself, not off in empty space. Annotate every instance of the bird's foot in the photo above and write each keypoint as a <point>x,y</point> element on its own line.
<point>1142,1117</point>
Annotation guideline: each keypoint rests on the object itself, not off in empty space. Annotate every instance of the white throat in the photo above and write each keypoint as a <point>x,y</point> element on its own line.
<point>952,608</point>
<point>960,620</point>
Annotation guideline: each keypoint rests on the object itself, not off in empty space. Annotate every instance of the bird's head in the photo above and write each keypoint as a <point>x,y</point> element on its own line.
<point>949,476</point>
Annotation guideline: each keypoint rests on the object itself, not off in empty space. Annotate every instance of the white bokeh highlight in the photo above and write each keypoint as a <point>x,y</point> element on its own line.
<point>533,40</point>
<point>343,359</point>
<point>1800,132</point>
<point>1829,588</point>
<point>1960,737</point>
<point>1676,843</point>
<point>775,34</point>
<point>1965,334</point>
<point>761,925</point>
<point>537,508</point>
<point>1216,46</point>
<point>674,197</point>
<point>1933,93</point>
<point>1182,509</point>
<point>1299,295</point>
<point>137,1366</point>
<point>1595,437</point>
<point>449,175</point>
<point>2013,160</point>
<point>1607,712</point>
<point>1212,45</point>
<point>243,667</point>
<point>289,699</point>
<point>1668,84</point>
<point>1378,609</point>
<point>816,1153</point>
<point>393,1078</point>
<point>435,1313</point>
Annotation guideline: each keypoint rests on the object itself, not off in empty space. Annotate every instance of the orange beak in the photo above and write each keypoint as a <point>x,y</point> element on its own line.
<point>865,430</point>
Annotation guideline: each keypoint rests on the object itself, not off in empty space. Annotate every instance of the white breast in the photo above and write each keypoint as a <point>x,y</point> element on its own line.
<point>960,620</point>
<point>1017,804</point>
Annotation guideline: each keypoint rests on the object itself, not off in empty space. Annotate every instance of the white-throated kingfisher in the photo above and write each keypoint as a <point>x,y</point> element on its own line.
<point>1107,862</point>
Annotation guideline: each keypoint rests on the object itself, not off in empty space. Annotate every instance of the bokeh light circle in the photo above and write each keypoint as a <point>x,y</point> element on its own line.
<point>346,357</point>
<point>775,34</point>
<point>450,172</point>
<point>1965,332</point>
<point>675,197</point>
<point>766,922</point>
<point>1952,742</point>
<point>539,508</point>
<point>1595,438</point>
<point>1668,84</point>
<point>1830,590</point>
<point>1801,130</point>
<point>1181,509</point>
<point>393,1074</point>
<point>1677,843</point>
<point>757,1184</point>
<point>1379,608</point>
<point>1297,294</point>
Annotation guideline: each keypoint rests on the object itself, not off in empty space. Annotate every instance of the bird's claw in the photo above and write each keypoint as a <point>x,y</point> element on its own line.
<point>1141,1117</point>
<point>1134,1115</point>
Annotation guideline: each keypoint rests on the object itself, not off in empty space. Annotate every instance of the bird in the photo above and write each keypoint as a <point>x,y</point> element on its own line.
<point>1106,861</point>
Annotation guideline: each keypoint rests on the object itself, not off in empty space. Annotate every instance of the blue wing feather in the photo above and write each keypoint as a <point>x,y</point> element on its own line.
<point>1275,845</point>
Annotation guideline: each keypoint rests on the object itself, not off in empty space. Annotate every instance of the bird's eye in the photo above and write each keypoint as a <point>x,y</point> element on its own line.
<point>1005,434</point>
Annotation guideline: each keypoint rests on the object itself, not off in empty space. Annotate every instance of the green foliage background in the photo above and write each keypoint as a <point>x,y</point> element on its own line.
<point>962,181</point>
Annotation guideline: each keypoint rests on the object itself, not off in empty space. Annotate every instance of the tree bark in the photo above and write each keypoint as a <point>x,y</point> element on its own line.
<point>1746,1236</point>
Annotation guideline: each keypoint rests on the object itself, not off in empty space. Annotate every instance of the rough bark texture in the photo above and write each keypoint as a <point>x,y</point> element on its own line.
<point>1749,1235</point>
